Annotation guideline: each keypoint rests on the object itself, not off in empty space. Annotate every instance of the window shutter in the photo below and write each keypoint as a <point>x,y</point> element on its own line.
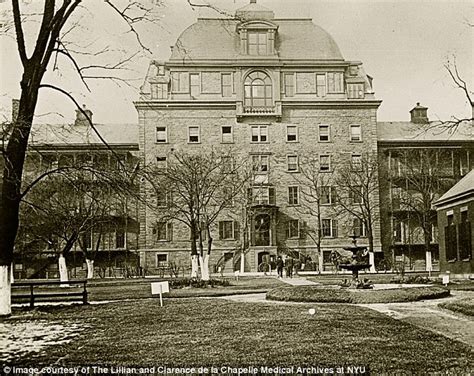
<point>271,195</point>
<point>169,231</point>
<point>236,230</point>
<point>249,195</point>
<point>288,230</point>
<point>333,195</point>
<point>221,230</point>
<point>334,228</point>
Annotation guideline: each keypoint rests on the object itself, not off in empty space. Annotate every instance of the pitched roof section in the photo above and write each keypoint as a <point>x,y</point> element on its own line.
<point>405,131</point>
<point>63,135</point>
<point>462,189</point>
<point>218,39</point>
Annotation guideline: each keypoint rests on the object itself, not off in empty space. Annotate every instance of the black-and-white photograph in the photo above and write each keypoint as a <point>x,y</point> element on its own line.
<point>236,187</point>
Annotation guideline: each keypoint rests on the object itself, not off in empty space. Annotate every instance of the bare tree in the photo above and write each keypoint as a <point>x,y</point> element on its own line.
<point>194,189</point>
<point>56,23</point>
<point>358,190</point>
<point>318,196</point>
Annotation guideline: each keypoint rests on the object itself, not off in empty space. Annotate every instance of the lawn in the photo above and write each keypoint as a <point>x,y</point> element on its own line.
<point>216,332</point>
<point>464,306</point>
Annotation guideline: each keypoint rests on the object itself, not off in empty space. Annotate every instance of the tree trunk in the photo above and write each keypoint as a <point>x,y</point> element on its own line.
<point>5,291</point>
<point>63,277</point>
<point>242,261</point>
<point>90,268</point>
<point>204,260</point>
<point>194,266</point>
<point>12,275</point>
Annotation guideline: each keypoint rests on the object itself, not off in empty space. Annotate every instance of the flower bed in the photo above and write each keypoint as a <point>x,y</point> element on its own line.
<point>330,295</point>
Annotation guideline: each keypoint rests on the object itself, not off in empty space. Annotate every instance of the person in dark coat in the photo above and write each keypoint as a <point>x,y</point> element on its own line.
<point>289,267</point>
<point>279,266</point>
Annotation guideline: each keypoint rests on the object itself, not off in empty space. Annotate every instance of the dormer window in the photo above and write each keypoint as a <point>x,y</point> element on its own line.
<point>257,42</point>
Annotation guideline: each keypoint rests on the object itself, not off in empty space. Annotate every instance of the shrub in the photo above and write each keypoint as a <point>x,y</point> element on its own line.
<point>464,306</point>
<point>197,283</point>
<point>362,296</point>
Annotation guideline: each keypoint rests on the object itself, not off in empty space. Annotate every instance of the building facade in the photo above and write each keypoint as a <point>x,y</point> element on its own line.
<point>419,161</point>
<point>456,236</point>
<point>278,93</point>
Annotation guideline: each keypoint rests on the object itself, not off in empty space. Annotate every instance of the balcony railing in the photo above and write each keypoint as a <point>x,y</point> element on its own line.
<point>242,111</point>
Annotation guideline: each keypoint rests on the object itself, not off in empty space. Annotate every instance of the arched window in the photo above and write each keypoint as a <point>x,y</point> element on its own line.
<point>258,90</point>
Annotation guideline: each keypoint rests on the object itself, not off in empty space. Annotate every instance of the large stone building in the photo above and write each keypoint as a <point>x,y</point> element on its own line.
<point>277,91</point>
<point>419,161</point>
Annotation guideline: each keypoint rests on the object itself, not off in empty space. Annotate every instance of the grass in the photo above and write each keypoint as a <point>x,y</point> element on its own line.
<point>328,295</point>
<point>464,306</point>
<point>214,332</point>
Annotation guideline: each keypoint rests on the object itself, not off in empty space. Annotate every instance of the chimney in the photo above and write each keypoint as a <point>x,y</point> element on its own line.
<point>81,119</point>
<point>15,108</point>
<point>419,114</point>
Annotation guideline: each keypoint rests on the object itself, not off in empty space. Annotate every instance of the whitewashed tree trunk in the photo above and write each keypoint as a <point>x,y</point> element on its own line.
<point>242,262</point>
<point>90,268</point>
<point>63,277</point>
<point>429,262</point>
<point>372,262</point>
<point>194,266</point>
<point>12,275</point>
<point>204,260</point>
<point>5,291</point>
<point>321,262</point>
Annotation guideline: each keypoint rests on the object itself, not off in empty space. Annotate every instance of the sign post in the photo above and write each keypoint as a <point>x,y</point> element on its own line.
<point>160,288</point>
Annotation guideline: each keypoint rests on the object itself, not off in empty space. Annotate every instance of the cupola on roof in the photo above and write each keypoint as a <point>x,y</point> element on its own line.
<point>254,11</point>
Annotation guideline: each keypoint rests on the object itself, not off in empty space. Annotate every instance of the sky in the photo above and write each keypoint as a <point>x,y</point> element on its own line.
<point>403,45</point>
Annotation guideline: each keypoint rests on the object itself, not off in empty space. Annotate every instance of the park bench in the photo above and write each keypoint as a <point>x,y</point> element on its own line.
<point>44,291</point>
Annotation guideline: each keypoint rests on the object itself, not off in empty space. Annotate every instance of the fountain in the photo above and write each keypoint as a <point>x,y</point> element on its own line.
<point>356,264</point>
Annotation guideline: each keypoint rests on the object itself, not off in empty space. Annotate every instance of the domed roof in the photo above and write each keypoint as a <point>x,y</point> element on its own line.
<point>218,39</point>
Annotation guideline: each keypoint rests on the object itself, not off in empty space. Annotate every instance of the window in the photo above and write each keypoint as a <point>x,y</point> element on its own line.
<point>289,82</point>
<point>163,231</point>
<point>327,195</point>
<point>465,239</point>
<point>162,198</point>
<point>291,133</point>
<point>324,163</point>
<point>195,84</point>
<point>292,161</point>
<point>356,134</point>
<point>262,195</point>
<point>451,240</point>
<point>329,228</point>
<point>193,135</point>
<point>358,228</point>
<point>257,42</point>
<point>260,163</point>
<point>355,194</point>
<point>321,85</point>
<point>335,82</point>
<point>161,135</point>
<point>227,230</point>
<point>226,84</point>
<point>259,133</point>
<point>355,91</point>
<point>396,198</point>
<point>227,135</point>
<point>120,239</point>
<point>180,82</point>
<point>323,132</point>
<point>293,231</point>
<point>159,91</point>
<point>161,260</point>
<point>356,162</point>
<point>293,195</point>
<point>305,83</point>
<point>258,91</point>
<point>161,163</point>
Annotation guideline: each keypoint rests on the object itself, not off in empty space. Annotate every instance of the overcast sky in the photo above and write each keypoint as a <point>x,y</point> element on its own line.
<point>403,46</point>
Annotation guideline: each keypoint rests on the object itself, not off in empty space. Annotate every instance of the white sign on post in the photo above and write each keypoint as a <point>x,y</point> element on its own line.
<point>160,288</point>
